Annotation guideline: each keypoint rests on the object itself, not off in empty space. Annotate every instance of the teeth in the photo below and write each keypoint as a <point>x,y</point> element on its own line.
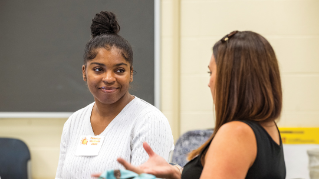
<point>107,88</point>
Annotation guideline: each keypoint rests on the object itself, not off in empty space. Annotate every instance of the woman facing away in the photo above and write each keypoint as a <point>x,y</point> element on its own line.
<point>246,89</point>
<point>116,123</point>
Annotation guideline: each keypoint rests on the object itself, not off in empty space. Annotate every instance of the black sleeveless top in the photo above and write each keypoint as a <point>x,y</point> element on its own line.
<point>269,162</point>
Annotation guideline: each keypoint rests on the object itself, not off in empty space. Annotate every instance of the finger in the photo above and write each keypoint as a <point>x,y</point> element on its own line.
<point>124,163</point>
<point>148,149</point>
<point>96,175</point>
<point>130,167</point>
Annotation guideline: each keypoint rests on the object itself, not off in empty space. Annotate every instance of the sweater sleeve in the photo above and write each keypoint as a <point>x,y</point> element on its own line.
<point>63,147</point>
<point>151,127</point>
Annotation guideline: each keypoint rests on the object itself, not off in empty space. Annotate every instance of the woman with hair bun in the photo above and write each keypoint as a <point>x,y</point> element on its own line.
<point>246,89</point>
<point>116,123</point>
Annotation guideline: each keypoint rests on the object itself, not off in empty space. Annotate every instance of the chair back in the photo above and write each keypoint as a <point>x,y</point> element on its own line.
<point>189,141</point>
<point>14,159</point>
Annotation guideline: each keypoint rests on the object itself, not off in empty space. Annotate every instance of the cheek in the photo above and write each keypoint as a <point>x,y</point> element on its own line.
<point>92,80</point>
<point>211,82</point>
<point>212,87</point>
<point>124,80</point>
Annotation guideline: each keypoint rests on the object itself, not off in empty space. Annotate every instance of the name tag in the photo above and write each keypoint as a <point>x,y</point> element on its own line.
<point>89,145</point>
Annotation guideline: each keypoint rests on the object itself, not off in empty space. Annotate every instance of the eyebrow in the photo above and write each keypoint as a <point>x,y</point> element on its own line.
<point>96,63</point>
<point>119,64</point>
<point>101,64</point>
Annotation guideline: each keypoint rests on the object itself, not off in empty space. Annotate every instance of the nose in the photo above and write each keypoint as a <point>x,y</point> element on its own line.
<point>208,84</point>
<point>109,77</point>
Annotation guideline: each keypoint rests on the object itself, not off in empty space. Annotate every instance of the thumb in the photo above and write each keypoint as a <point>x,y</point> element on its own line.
<point>148,149</point>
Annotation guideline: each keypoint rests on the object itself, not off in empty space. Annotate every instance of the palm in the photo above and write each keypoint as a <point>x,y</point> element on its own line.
<point>155,165</point>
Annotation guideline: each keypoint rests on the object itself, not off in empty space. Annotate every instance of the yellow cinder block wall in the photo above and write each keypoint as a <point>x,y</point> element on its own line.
<point>189,28</point>
<point>43,139</point>
<point>291,26</point>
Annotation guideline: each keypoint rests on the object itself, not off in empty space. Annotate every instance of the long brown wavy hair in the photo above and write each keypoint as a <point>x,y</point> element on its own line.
<point>248,85</point>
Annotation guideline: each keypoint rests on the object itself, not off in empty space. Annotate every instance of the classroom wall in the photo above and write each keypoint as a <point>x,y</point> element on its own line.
<point>43,139</point>
<point>291,26</point>
<point>170,63</point>
<point>189,30</point>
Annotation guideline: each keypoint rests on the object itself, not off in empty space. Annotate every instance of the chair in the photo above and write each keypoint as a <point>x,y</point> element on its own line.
<point>14,159</point>
<point>187,142</point>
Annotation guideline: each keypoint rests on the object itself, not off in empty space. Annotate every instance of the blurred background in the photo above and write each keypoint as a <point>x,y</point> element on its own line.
<point>188,30</point>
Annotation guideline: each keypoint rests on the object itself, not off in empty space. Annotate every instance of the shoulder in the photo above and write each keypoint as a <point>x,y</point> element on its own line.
<point>84,110</point>
<point>236,129</point>
<point>232,149</point>
<point>236,134</point>
<point>151,118</point>
<point>147,110</point>
<point>79,114</point>
<point>236,139</point>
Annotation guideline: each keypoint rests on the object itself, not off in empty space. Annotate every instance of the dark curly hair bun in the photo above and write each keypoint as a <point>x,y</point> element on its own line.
<point>104,23</point>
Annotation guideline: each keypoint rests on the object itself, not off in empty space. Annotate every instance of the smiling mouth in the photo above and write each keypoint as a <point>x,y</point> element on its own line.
<point>108,89</point>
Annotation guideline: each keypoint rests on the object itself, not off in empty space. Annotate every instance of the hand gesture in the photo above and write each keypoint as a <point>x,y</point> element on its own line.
<point>155,165</point>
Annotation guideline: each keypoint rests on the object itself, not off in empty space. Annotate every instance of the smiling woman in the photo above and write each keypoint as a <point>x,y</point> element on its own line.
<point>117,120</point>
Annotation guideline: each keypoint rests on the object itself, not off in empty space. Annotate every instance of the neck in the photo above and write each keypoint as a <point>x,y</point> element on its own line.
<point>111,110</point>
<point>267,124</point>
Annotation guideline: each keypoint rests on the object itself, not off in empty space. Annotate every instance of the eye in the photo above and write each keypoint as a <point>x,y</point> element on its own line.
<point>97,69</point>
<point>209,72</point>
<point>120,70</point>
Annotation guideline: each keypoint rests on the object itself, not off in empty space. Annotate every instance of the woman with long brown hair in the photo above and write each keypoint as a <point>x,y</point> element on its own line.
<point>246,89</point>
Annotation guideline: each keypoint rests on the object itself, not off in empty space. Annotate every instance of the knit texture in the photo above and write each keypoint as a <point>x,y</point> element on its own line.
<point>139,121</point>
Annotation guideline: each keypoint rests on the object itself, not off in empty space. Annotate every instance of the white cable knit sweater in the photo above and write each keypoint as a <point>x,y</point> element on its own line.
<point>139,121</point>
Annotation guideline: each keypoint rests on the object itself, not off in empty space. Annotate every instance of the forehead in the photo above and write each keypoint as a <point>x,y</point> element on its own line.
<point>108,56</point>
<point>212,61</point>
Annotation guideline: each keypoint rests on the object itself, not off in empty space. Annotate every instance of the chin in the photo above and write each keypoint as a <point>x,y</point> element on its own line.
<point>109,99</point>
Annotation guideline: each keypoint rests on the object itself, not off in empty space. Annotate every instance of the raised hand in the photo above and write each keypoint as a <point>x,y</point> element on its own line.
<point>155,165</point>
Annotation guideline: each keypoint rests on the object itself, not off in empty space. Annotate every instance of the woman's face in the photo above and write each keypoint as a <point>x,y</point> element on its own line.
<point>212,71</point>
<point>108,76</point>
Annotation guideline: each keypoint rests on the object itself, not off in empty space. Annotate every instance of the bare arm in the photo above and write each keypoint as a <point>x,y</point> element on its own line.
<point>231,153</point>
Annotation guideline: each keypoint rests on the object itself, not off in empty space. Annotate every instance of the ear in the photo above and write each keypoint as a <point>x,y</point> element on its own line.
<point>84,72</point>
<point>131,75</point>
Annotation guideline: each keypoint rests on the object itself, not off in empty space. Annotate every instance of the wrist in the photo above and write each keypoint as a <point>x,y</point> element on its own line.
<point>177,171</point>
